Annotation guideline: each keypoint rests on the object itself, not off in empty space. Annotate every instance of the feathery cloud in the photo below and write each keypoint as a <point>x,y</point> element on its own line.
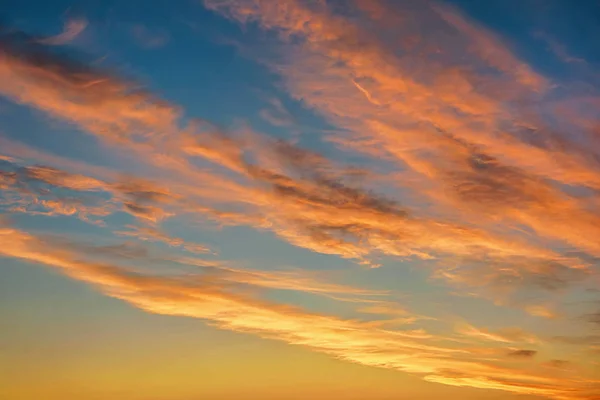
<point>461,126</point>
<point>219,304</point>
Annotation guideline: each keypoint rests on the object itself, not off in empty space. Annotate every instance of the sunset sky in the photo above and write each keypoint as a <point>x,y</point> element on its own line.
<point>299,199</point>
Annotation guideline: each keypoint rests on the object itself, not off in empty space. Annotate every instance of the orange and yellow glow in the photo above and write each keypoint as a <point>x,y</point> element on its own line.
<point>407,209</point>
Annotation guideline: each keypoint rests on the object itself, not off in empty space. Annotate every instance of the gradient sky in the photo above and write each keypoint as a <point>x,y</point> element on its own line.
<point>292,199</point>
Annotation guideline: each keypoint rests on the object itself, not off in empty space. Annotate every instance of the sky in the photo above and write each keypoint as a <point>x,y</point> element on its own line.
<point>292,199</point>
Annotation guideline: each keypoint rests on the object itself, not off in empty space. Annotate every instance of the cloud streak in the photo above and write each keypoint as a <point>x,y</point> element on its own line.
<point>219,303</point>
<point>460,129</point>
<point>467,140</point>
<point>72,29</point>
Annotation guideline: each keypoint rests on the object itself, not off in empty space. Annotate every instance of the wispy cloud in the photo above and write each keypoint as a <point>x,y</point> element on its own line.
<point>149,38</point>
<point>506,335</point>
<point>526,354</point>
<point>217,302</point>
<point>476,150</point>
<point>557,48</point>
<point>454,111</point>
<point>153,234</point>
<point>315,208</point>
<point>72,29</point>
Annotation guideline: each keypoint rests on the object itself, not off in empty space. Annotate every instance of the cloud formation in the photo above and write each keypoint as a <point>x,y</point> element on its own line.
<point>485,189</point>
<point>472,142</point>
<point>522,353</point>
<point>506,335</point>
<point>475,150</point>
<point>217,302</point>
<point>72,29</point>
<point>330,215</point>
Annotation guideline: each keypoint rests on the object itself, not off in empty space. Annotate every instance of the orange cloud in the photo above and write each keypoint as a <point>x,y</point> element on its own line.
<point>438,128</point>
<point>468,143</point>
<point>540,311</point>
<point>491,49</point>
<point>68,89</point>
<point>303,197</point>
<point>149,233</point>
<point>219,304</point>
<point>472,151</point>
<point>506,335</point>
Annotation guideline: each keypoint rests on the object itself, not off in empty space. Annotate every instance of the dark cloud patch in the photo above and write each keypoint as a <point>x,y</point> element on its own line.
<point>592,318</point>
<point>70,65</point>
<point>558,364</point>
<point>578,340</point>
<point>552,275</point>
<point>522,353</point>
<point>44,189</point>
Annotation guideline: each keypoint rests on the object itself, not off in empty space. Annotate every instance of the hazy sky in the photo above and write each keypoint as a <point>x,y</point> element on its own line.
<point>299,199</point>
